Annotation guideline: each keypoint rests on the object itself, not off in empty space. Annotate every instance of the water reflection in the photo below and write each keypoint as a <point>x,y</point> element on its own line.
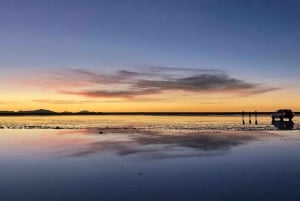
<point>141,143</point>
<point>283,125</point>
<point>105,167</point>
<point>158,145</point>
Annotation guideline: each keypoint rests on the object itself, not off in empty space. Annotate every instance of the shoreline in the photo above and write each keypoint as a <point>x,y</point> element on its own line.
<point>119,129</point>
<point>4,114</point>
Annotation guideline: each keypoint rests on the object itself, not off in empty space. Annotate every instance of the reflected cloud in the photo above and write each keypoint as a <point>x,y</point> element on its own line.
<point>151,144</point>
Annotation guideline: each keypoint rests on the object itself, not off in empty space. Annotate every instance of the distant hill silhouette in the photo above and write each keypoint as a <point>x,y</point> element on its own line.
<point>44,112</point>
<point>40,111</point>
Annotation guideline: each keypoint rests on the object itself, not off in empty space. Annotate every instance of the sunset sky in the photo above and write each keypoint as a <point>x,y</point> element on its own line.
<point>150,56</point>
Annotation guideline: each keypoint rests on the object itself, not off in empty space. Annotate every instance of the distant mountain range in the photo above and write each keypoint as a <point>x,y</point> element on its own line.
<point>40,111</point>
<point>45,112</point>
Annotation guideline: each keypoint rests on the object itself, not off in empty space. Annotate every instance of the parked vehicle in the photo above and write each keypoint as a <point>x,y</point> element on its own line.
<point>283,114</point>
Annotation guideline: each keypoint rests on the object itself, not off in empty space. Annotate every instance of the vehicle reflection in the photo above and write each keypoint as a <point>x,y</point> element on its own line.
<point>283,125</point>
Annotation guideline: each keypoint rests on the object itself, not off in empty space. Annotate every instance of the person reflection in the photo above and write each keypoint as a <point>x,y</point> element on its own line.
<point>283,125</point>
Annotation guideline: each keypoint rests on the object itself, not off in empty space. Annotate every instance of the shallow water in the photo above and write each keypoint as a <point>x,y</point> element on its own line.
<point>229,122</point>
<point>193,165</point>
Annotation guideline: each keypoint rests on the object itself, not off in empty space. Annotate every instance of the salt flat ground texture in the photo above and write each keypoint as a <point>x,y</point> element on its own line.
<point>173,122</point>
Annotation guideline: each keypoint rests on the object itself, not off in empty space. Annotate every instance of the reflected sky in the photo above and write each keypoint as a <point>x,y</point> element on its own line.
<point>86,165</point>
<point>155,144</point>
<point>121,142</point>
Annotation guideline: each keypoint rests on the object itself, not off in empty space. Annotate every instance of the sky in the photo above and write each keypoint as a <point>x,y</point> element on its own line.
<point>150,56</point>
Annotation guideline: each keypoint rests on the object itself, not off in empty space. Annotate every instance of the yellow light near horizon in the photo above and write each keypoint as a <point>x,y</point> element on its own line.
<point>164,102</point>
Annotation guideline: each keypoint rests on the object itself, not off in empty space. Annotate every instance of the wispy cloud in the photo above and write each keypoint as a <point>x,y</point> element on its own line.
<point>160,69</point>
<point>113,94</point>
<point>46,101</point>
<point>8,102</point>
<point>148,80</point>
<point>155,80</point>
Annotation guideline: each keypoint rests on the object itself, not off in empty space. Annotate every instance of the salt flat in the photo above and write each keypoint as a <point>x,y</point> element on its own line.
<point>133,164</point>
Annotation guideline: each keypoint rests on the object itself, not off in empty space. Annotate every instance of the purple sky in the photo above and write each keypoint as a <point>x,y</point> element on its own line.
<point>251,42</point>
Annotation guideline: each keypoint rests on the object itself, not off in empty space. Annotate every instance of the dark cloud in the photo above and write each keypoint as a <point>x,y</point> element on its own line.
<point>161,69</point>
<point>118,77</point>
<point>148,80</point>
<point>213,82</point>
<point>169,79</point>
<point>113,94</point>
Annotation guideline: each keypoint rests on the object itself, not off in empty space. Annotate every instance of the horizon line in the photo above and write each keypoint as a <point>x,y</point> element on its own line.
<point>43,112</point>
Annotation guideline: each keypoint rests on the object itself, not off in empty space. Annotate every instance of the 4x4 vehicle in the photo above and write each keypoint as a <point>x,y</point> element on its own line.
<point>283,114</point>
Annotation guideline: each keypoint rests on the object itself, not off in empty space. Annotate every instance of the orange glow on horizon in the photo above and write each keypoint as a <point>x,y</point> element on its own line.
<point>30,98</point>
<point>182,104</point>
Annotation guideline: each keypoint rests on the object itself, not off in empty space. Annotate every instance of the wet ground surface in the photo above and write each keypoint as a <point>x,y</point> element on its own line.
<point>128,164</point>
<point>146,122</point>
